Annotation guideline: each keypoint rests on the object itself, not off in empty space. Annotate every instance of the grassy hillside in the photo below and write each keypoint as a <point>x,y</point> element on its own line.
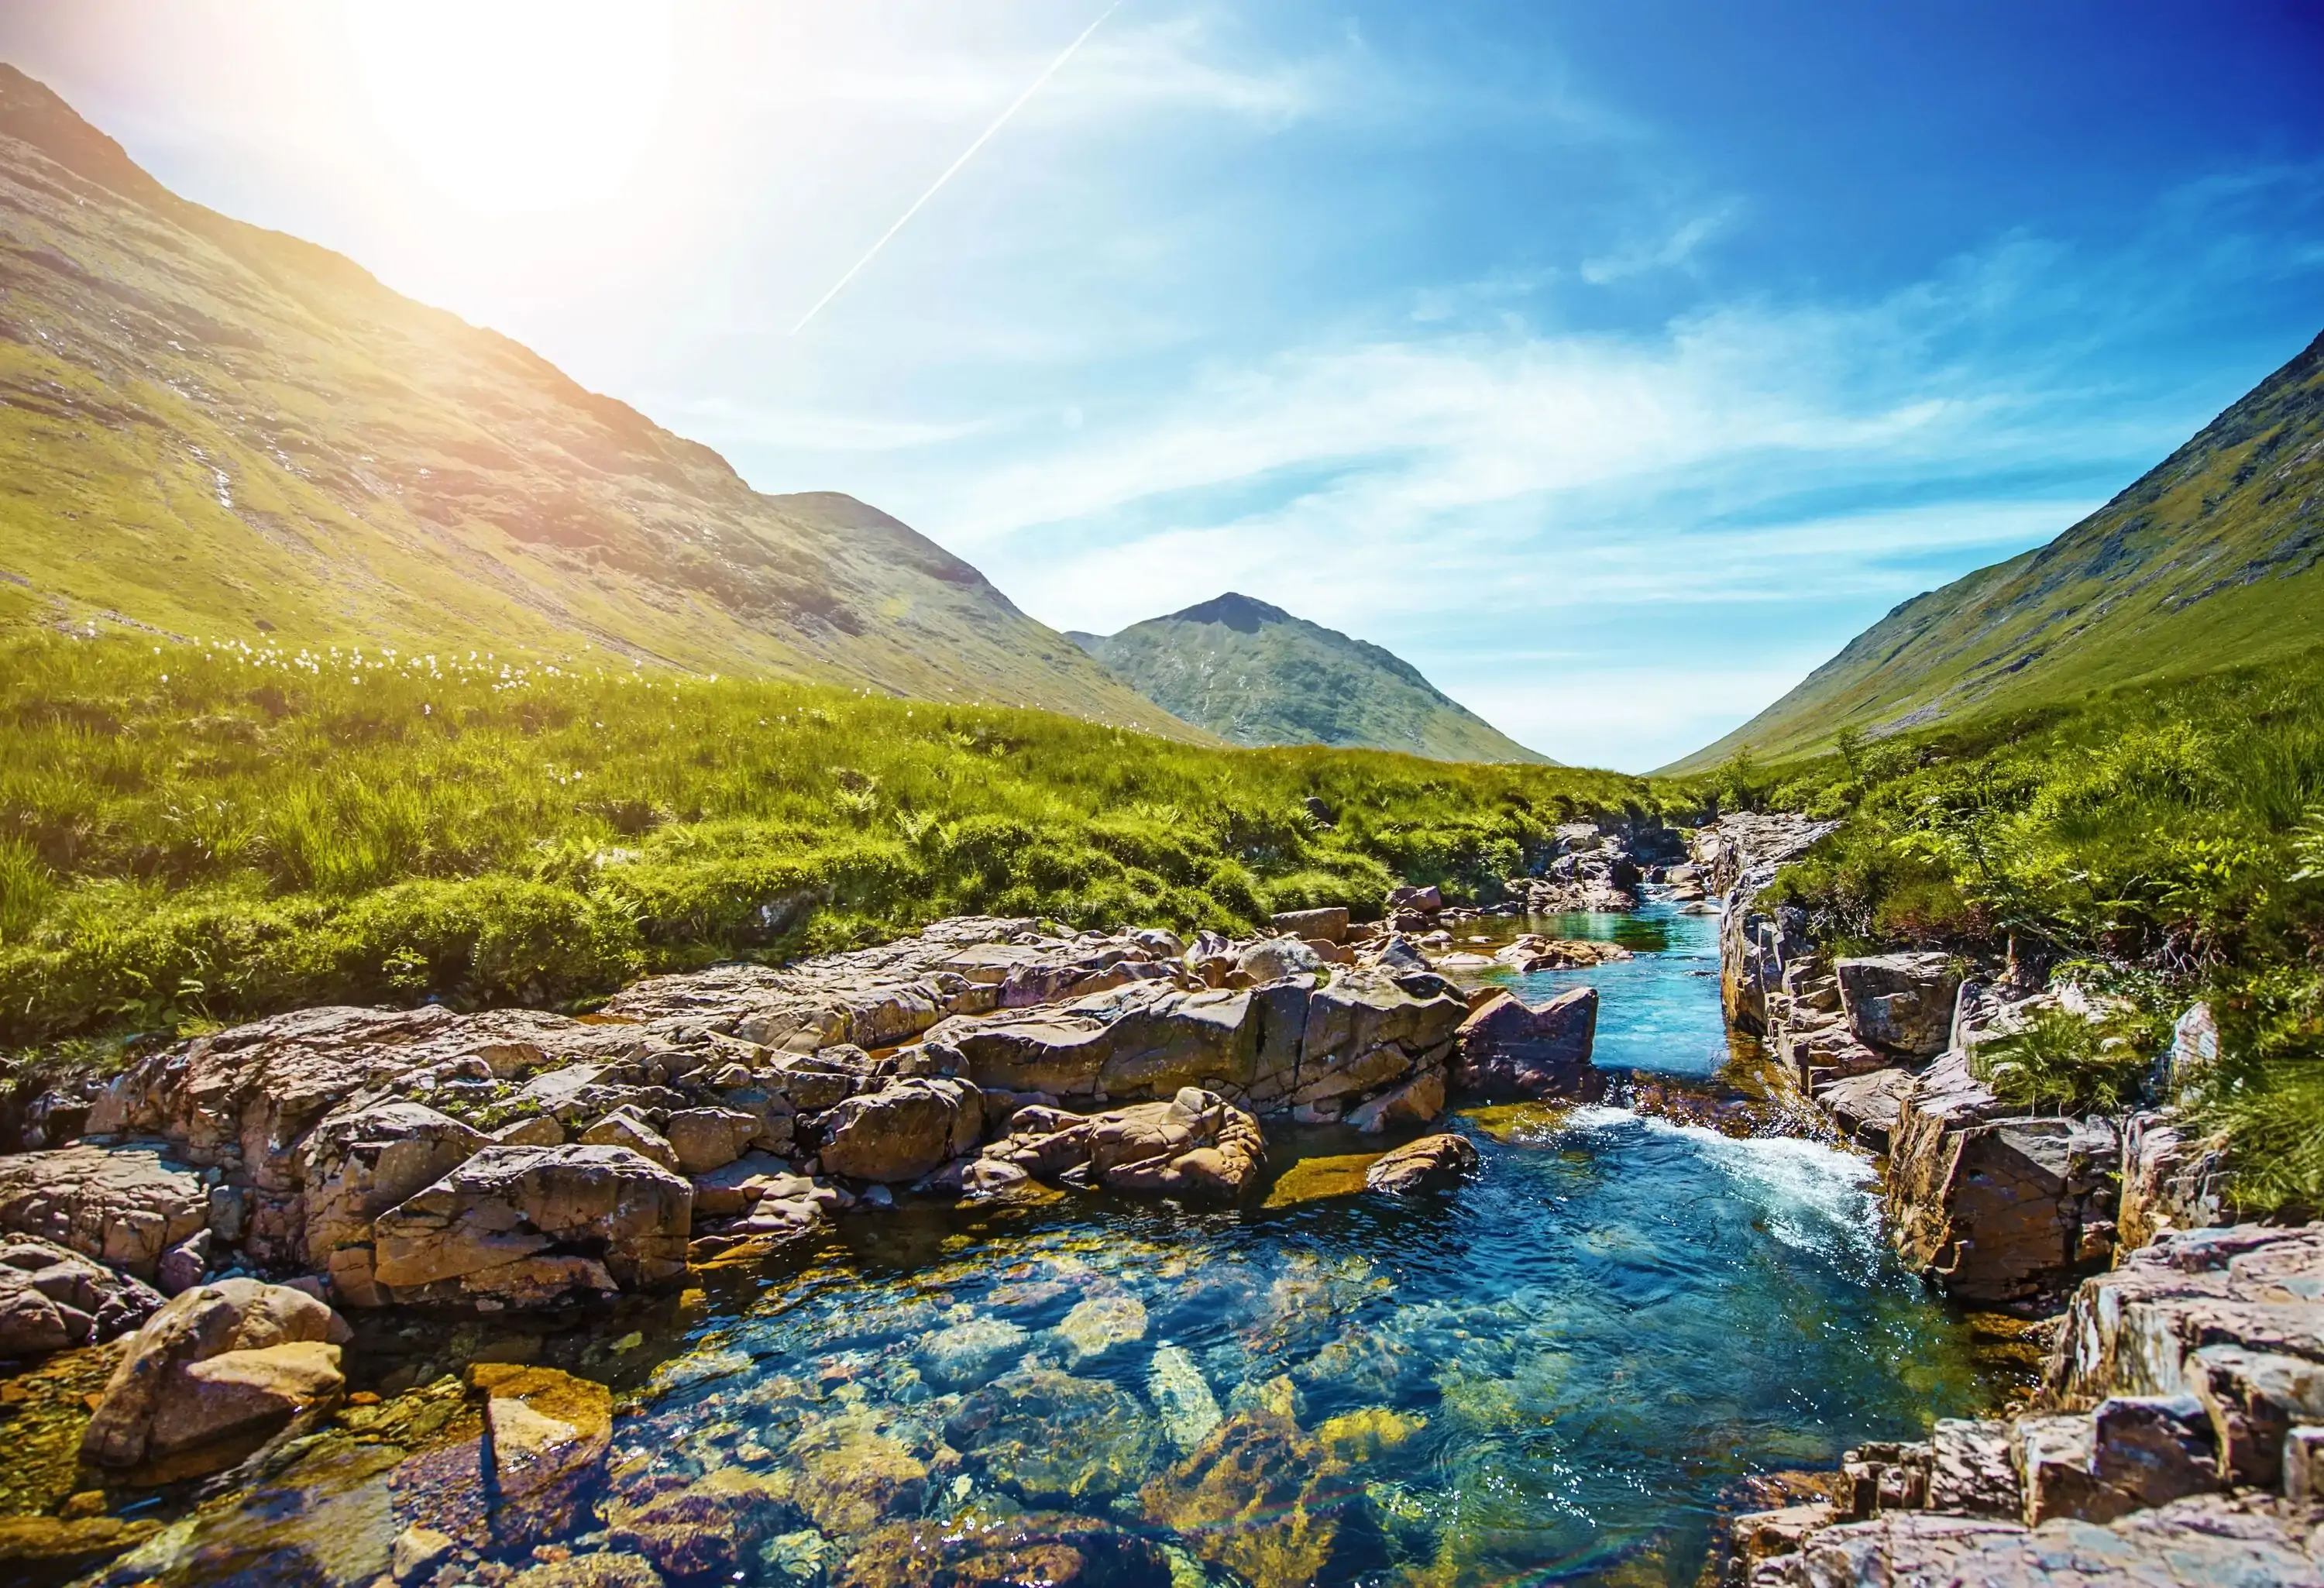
<point>215,431</point>
<point>2215,558</point>
<point>2176,829</point>
<point>1254,674</point>
<point>204,832</point>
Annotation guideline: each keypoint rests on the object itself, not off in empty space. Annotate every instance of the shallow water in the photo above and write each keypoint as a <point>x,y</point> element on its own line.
<point>1547,1376</point>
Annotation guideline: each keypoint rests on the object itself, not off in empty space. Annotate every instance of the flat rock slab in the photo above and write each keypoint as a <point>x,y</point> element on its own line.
<point>126,1208</point>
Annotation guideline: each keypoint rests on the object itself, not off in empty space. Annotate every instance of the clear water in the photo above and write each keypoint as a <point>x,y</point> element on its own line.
<point>1549,1375</point>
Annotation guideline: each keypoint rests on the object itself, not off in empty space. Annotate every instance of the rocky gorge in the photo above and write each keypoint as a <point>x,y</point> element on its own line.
<point>1393,1250</point>
<point>2172,1435</point>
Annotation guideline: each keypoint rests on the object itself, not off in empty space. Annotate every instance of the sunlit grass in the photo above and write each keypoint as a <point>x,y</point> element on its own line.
<point>202,833</point>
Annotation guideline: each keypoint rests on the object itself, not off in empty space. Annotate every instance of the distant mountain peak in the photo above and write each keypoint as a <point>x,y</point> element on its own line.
<point>1242,612</point>
<point>1257,675</point>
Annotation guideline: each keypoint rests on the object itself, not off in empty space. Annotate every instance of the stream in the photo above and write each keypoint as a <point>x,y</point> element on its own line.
<point>1547,1376</point>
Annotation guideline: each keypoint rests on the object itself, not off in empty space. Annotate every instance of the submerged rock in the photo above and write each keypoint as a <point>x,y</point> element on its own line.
<point>1049,1438</point>
<point>1052,1548</point>
<point>1182,1396</point>
<point>1257,1497</point>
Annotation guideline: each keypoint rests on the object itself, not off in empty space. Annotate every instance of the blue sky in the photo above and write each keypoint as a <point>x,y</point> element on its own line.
<point>1615,365</point>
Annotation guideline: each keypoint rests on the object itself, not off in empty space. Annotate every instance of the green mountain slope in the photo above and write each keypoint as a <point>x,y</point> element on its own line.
<point>2215,558</point>
<point>214,430</point>
<point>1253,674</point>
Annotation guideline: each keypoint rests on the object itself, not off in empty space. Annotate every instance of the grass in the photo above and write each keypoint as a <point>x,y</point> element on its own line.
<point>2214,558</point>
<point>2169,839</point>
<point>200,834</point>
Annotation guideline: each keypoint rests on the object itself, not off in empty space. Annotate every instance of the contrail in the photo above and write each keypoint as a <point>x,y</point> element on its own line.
<point>966,155</point>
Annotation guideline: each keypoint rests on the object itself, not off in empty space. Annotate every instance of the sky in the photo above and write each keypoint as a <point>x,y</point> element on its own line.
<point>1614,364</point>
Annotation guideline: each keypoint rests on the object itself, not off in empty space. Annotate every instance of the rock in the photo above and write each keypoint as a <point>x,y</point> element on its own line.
<point>1329,923</point>
<point>1271,959</point>
<point>1432,1163</point>
<point>972,1354</point>
<point>1194,1146</point>
<point>1425,900</point>
<point>540,1130</point>
<point>545,1433</point>
<point>1054,1548</point>
<point>851,1479</point>
<point>1868,1105</point>
<point>524,1225</point>
<point>603,1569</point>
<point>625,1128</point>
<point>125,1206</point>
<point>52,1297</point>
<point>1510,1050</point>
<point>2206,1541</point>
<point>1902,1002</point>
<point>902,1131</point>
<point>1183,1397</point>
<point>2303,1464</point>
<point>358,1165</point>
<point>214,1365</point>
<point>2253,1399</point>
<point>54,1549</point>
<point>2170,1179</point>
<point>707,1531</point>
<point>738,1187</point>
<point>1257,1497</point>
<point>2131,1330</point>
<point>1764,1535</point>
<point>1970,1469</point>
<point>1048,1437</point>
<point>1098,1325</point>
<point>709,1139</point>
<point>417,1552</point>
<point>182,1266</point>
<point>1998,1208</point>
<point>2152,1450</point>
<point>1418,1102</point>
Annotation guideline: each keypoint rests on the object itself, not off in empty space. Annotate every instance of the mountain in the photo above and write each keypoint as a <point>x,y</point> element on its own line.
<point>1253,674</point>
<point>2214,558</point>
<point>209,429</point>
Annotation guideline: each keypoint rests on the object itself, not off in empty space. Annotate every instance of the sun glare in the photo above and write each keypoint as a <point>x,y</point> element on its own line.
<point>516,105</point>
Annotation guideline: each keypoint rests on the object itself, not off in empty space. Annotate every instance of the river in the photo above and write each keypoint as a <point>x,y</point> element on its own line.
<point>1549,1375</point>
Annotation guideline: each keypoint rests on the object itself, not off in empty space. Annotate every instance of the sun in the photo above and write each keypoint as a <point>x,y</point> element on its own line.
<point>515,106</point>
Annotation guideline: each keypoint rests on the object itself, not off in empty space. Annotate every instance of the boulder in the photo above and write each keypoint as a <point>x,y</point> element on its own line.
<point>708,1138</point>
<point>1431,1163</point>
<point>1418,1102</point>
<point>214,1367</point>
<point>1271,959</point>
<point>738,1187</point>
<point>1901,1002</point>
<point>125,1206</point>
<point>1425,900</point>
<point>1329,923</point>
<point>2253,1399</point>
<point>1510,1049</point>
<point>52,1297</point>
<point>1868,1105</point>
<point>2132,1331</point>
<point>524,1225</point>
<point>1196,1146</point>
<point>2172,1179</point>
<point>623,1128</point>
<point>902,1131</point>
<point>360,1165</point>
<point>1055,1548</point>
<point>1994,1207</point>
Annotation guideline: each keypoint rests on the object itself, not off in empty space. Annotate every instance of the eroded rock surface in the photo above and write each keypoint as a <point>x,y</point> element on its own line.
<point>52,1297</point>
<point>126,1208</point>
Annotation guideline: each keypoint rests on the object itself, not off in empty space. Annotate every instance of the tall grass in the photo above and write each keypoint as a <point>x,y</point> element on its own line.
<point>2172,832</point>
<point>204,833</point>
